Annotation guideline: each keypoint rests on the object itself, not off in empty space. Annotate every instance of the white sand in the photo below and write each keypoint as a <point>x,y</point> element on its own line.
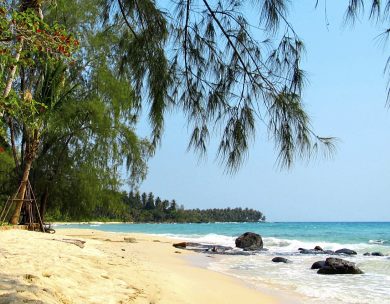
<point>41,268</point>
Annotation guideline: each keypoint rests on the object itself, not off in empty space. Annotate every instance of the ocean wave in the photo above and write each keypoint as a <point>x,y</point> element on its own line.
<point>378,242</point>
<point>279,245</point>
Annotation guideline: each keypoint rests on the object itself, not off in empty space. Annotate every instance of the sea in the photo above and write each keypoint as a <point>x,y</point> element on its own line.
<point>293,282</point>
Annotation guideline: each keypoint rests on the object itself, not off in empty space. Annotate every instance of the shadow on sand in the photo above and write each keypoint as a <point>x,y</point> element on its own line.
<point>16,290</point>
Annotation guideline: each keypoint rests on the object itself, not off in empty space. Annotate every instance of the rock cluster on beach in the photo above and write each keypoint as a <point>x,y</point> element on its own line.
<point>251,243</point>
<point>319,250</point>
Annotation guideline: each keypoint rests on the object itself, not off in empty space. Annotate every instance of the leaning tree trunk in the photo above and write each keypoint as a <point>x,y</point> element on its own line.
<point>31,146</point>
<point>22,191</point>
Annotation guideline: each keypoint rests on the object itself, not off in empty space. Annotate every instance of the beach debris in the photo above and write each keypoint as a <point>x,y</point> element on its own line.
<point>30,277</point>
<point>281,260</point>
<point>346,251</point>
<point>123,249</point>
<point>339,266</point>
<point>47,274</point>
<point>78,243</point>
<point>318,265</point>
<point>129,239</point>
<point>177,251</point>
<point>249,241</point>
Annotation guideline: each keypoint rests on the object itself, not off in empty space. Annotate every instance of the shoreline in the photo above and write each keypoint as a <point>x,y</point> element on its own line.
<point>90,223</point>
<point>111,268</point>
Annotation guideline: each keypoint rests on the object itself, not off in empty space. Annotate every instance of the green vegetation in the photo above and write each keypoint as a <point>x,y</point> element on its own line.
<point>136,207</point>
<point>76,75</point>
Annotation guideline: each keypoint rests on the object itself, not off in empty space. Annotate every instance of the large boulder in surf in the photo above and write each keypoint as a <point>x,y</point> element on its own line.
<point>318,248</point>
<point>318,265</point>
<point>346,251</point>
<point>249,241</point>
<point>339,266</point>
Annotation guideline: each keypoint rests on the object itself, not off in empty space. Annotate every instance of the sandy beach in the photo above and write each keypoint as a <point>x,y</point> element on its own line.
<point>110,268</point>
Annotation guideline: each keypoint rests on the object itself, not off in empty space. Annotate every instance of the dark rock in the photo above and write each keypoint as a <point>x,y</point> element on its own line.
<point>318,248</point>
<point>345,251</point>
<point>249,241</point>
<point>339,266</point>
<point>374,254</point>
<point>280,260</point>
<point>180,245</point>
<point>318,265</point>
<point>313,251</point>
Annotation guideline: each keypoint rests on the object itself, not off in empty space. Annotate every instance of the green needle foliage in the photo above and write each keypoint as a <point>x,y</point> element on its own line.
<point>229,77</point>
<point>79,100</point>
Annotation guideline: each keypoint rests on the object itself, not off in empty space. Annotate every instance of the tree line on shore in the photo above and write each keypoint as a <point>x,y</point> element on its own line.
<point>146,208</point>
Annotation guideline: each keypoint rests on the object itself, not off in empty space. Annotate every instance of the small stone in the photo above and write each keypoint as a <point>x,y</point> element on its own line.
<point>180,245</point>
<point>280,260</point>
<point>346,251</point>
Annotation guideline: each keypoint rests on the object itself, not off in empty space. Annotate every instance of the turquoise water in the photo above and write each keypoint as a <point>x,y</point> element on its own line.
<point>334,232</point>
<point>296,281</point>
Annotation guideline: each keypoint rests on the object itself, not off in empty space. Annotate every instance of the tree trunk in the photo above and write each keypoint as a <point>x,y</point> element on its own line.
<point>43,205</point>
<point>22,191</point>
<point>12,73</point>
<point>14,152</point>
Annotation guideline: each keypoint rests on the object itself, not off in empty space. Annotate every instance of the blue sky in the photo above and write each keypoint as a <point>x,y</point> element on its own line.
<point>345,97</point>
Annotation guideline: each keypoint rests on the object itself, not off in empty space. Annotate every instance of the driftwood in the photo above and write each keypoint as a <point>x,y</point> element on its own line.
<point>78,243</point>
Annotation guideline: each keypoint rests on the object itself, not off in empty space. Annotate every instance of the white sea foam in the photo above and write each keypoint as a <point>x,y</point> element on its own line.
<point>298,279</point>
<point>373,287</point>
<point>283,246</point>
<point>211,238</point>
<point>378,242</point>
